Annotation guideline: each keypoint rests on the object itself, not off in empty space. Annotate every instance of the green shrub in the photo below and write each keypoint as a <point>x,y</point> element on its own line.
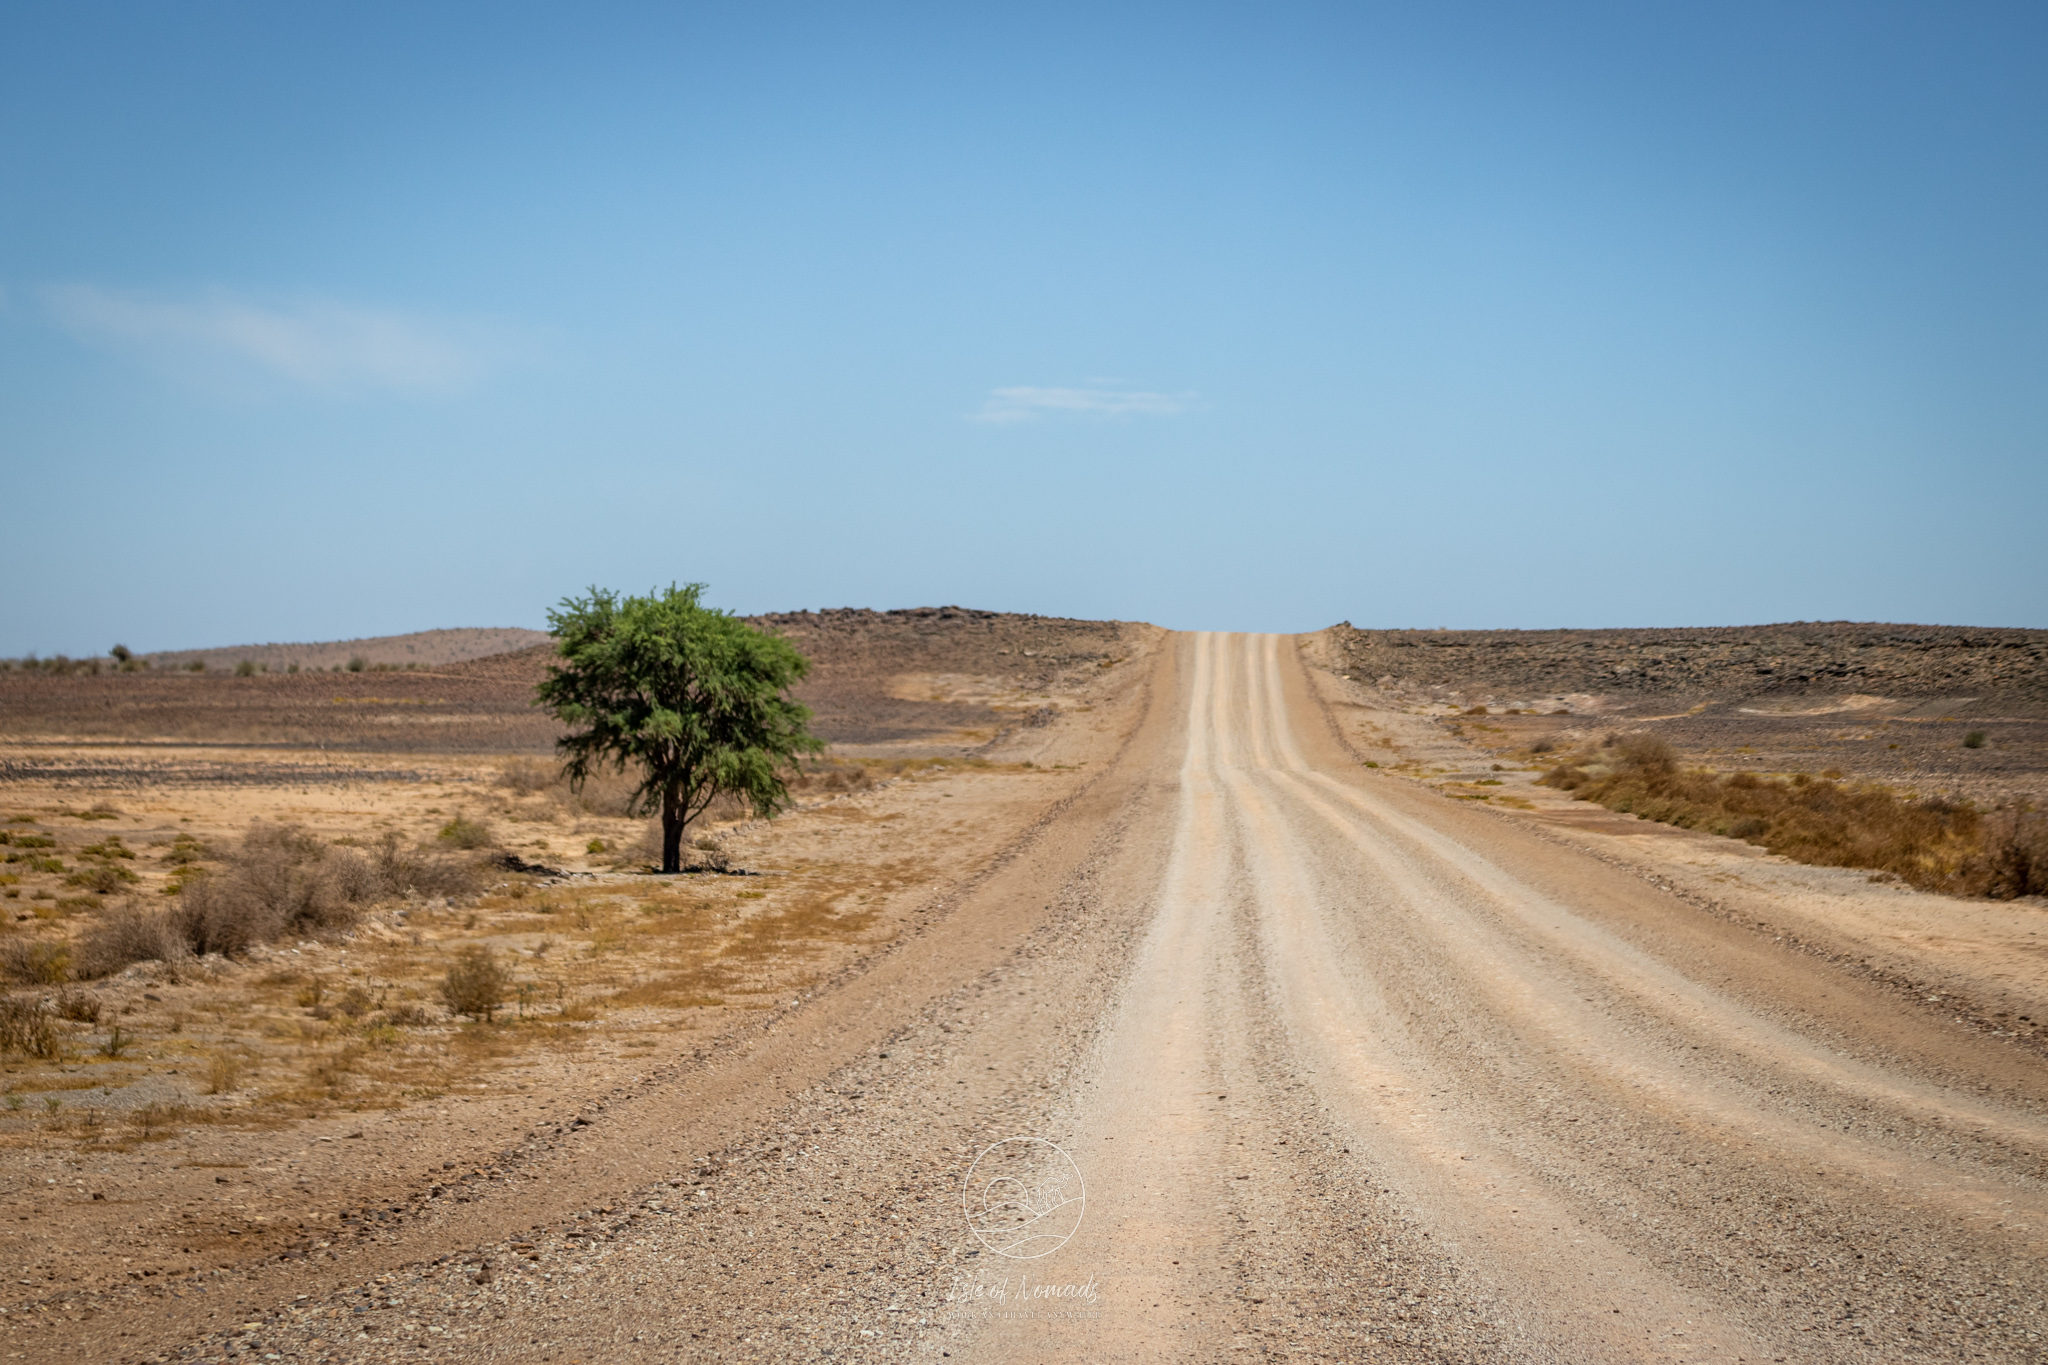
<point>1974,740</point>
<point>248,668</point>
<point>357,664</point>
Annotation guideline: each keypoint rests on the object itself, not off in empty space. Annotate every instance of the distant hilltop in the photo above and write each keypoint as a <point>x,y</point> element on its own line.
<point>423,649</point>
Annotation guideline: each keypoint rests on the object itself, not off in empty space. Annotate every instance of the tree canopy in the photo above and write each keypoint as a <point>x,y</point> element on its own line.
<point>692,696</point>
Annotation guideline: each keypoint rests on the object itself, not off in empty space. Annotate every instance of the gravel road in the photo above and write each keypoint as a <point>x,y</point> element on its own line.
<point>1336,1068</point>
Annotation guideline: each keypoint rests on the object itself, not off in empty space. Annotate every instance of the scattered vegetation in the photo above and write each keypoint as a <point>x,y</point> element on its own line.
<point>1931,842</point>
<point>1974,739</point>
<point>285,882</point>
<point>56,664</point>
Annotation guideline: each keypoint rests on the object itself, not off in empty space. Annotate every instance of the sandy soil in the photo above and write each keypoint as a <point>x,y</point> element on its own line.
<point>1341,1066</point>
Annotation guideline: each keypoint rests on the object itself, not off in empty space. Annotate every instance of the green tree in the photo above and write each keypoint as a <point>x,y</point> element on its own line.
<point>692,696</point>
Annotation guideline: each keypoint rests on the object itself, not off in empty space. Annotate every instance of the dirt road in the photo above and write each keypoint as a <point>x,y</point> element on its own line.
<point>1336,1069</point>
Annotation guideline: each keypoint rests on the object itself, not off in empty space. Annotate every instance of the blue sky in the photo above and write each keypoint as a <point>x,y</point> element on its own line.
<point>319,322</point>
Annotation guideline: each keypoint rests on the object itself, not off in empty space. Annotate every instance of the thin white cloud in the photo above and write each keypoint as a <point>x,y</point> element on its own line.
<point>317,344</point>
<point>1028,404</point>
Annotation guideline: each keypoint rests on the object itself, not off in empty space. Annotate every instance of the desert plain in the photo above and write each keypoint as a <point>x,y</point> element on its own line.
<point>1109,994</point>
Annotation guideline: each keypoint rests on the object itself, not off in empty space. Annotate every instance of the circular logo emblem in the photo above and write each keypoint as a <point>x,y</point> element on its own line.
<point>1024,1197</point>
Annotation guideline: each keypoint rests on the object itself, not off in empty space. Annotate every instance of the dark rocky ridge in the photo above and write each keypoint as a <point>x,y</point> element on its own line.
<point>1983,671</point>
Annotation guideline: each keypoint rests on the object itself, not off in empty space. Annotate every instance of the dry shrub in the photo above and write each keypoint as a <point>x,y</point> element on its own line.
<point>79,1007</point>
<point>331,1072</point>
<point>2015,857</point>
<point>103,878</point>
<point>1934,843</point>
<point>25,1026</point>
<point>476,984</point>
<point>842,777</point>
<point>462,832</point>
<point>399,871</point>
<point>126,935</point>
<point>529,776</point>
<point>283,882</point>
<point>602,793</point>
<point>35,961</point>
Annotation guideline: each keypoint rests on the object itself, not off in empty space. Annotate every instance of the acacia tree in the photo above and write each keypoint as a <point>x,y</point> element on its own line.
<point>691,695</point>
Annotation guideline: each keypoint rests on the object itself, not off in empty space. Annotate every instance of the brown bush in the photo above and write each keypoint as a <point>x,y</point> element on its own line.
<point>529,776</point>
<point>126,935</point>
<point>602,793</point>
<point>79,1007</point>
<point>35,961</point>
<point>831,777</point>
<point>399,871</point>
<point>283,882</point>
<point>280,881</point>
<point>2014,862</point>
<point>25,1026</point>
<point>408,1015</point>
<point>476,984</point>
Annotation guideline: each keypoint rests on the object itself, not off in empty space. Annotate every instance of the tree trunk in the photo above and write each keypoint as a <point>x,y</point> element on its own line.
<point>672,830</point>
